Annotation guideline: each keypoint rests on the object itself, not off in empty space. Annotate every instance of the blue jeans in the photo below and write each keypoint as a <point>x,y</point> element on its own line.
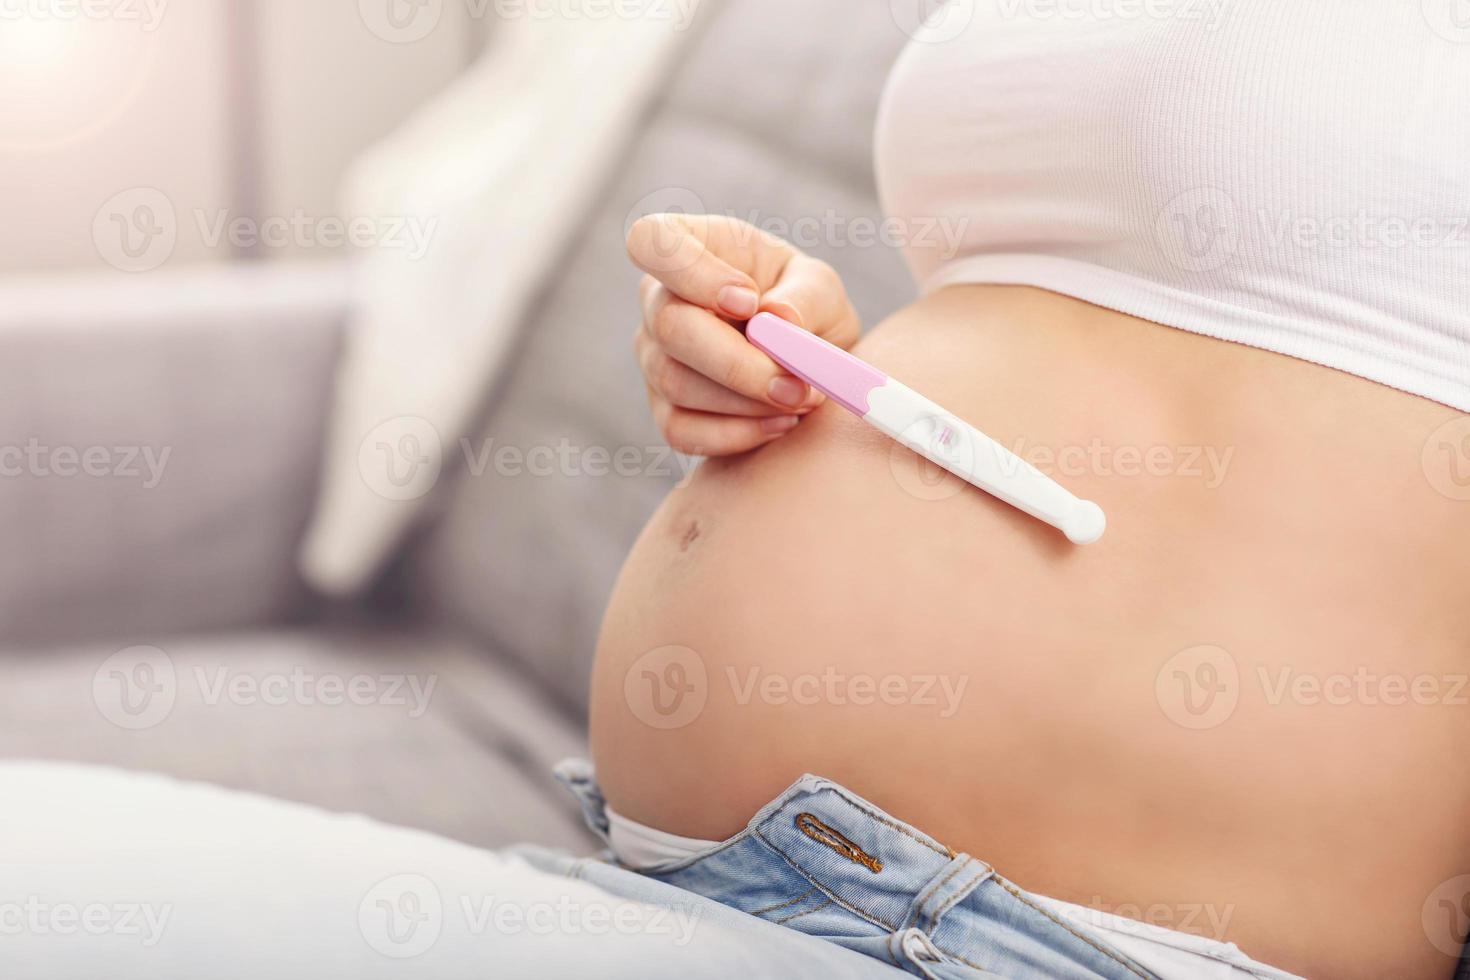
<point>822,861</point>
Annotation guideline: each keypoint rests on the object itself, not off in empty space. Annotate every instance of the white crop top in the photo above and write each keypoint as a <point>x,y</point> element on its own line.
<point>1289,174</point>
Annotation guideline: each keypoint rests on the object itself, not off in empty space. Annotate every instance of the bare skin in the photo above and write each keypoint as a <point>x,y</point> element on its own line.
<point>1276,510</point>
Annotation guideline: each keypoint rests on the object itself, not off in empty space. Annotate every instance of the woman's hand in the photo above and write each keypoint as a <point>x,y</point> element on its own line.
<point>712,392</point>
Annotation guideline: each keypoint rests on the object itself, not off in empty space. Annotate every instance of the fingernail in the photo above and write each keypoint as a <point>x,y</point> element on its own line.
<point>778,425</point>
<point>739,301</point>
<point>787,391</point>
<point>786,312</point>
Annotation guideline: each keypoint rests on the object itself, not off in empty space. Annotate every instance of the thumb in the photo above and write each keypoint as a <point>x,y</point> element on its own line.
<point>810,294</point>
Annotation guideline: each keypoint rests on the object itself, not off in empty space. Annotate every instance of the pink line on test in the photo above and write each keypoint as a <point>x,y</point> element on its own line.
<point>831,370</point>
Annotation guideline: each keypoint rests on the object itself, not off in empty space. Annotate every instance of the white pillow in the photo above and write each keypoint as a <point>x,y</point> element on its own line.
<point>488,183</point>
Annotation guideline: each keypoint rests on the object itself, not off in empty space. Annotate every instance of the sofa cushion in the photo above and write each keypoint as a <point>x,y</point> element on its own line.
<point>412,729</point>
<point>160,438</point>
<point>525,559</point>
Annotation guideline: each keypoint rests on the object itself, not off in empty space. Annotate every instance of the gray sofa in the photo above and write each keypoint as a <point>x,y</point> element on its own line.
<point>496,597</point>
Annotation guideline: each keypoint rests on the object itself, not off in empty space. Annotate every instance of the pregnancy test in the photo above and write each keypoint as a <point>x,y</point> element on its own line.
<point>939,436</point>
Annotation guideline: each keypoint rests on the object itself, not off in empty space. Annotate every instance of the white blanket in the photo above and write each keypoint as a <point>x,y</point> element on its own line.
<point>136,877</point>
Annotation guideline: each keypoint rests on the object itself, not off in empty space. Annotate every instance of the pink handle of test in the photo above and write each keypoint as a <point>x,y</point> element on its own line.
<point>831,370</point>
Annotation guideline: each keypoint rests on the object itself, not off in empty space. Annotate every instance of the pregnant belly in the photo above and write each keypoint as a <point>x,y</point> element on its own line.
<point>1241,714</point>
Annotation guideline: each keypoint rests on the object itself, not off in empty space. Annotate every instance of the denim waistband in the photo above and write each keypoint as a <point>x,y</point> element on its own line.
<point>822,860</point>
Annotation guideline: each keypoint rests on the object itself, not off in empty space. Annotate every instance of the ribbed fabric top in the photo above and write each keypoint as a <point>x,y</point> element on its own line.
<point>1290,175</point>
